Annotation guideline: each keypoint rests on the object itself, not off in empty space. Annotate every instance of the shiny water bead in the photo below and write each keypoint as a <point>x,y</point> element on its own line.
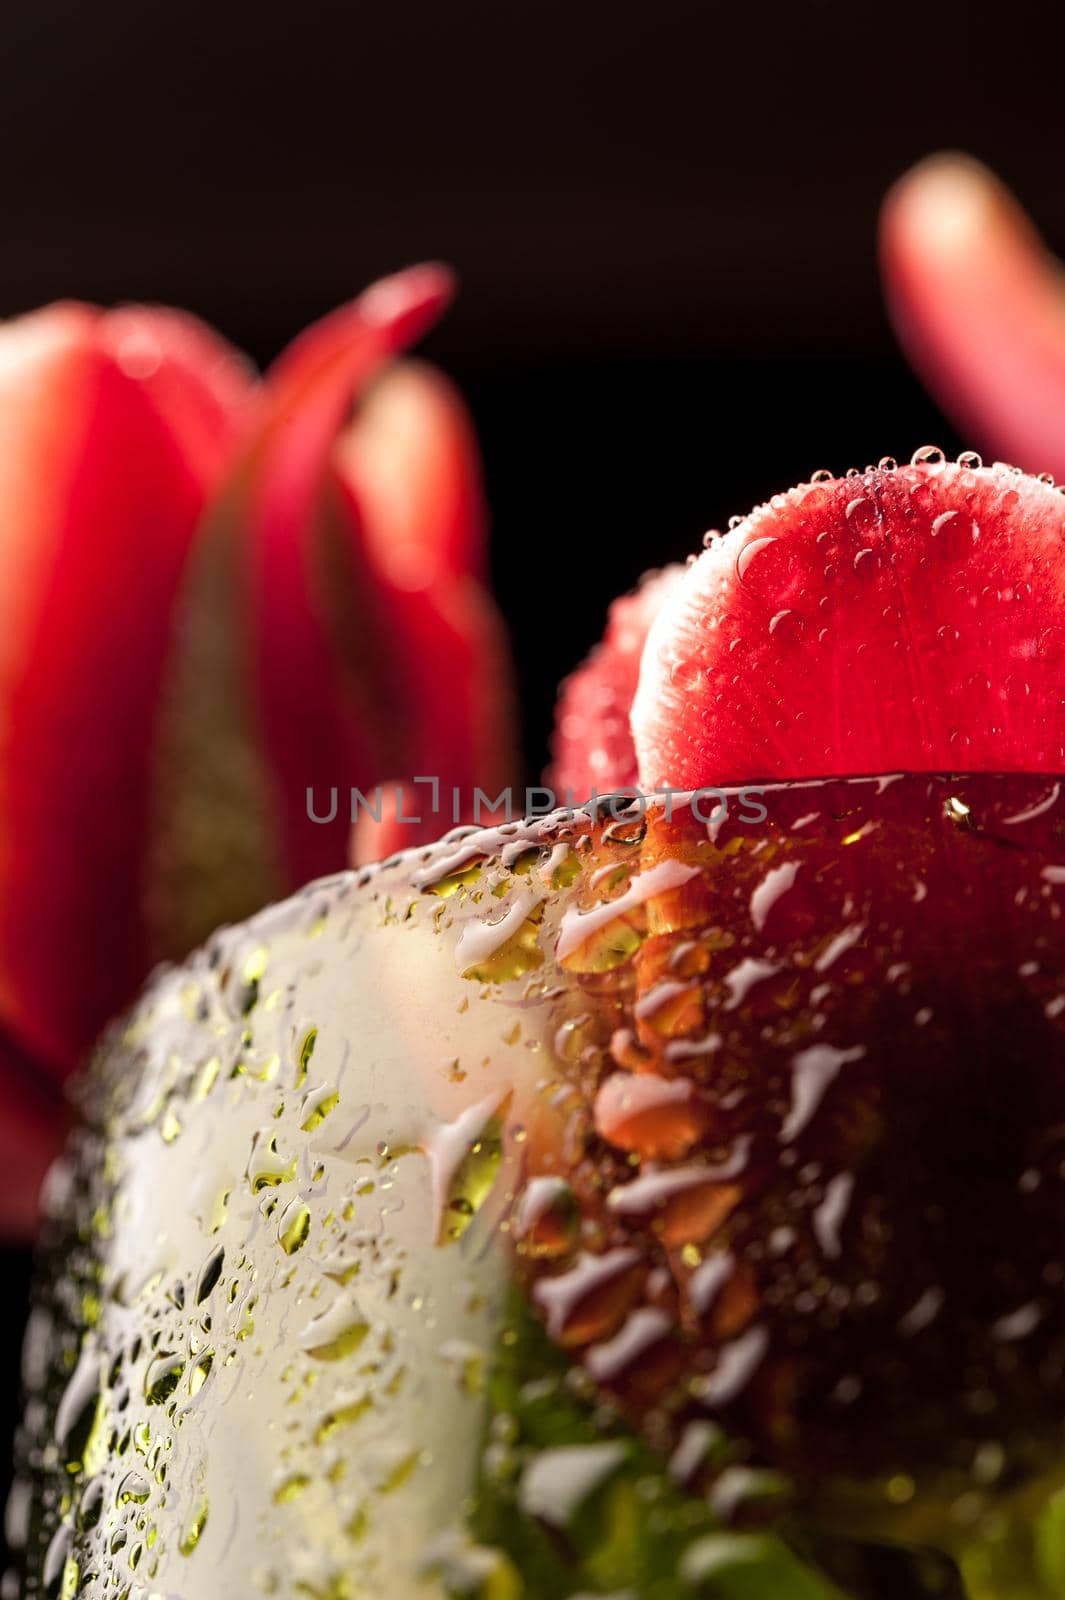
<point>650,1115</point>
<point>547,1219</point>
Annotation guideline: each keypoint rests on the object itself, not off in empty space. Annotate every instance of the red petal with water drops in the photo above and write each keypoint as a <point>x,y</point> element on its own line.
<point>979,304</point>
<point>115,429</point>
<point>592,748</point>
<point>905,618</point>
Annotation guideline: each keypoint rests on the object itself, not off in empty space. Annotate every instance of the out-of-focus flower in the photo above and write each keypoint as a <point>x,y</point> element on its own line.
<point>218,594</point>
<point>979,305</point>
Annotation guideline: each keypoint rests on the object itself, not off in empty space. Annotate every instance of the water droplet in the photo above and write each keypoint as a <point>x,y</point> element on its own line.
<point>609,934</point>
<point>558,1482</point>
<point>80,1411</point>
<point>1019,1324</point>
<point>162,1377</point>
<point>303,1058</point>
<point>737,1363</point>
<point>813,1070</point>
<point>639,1333</point>
<point>267,1168</point>
<point>775,884</point>
<point>336,1332</point>
<point>955,810</point>
<point>290,1488</point>
<point>57,1564</point>
<point>862,513</point>
<point>708,1280</point>
<point>829,1216</point>
<point>210,1273</point>
<point>193,1529</point>
<point>655,1117</point>
<point>502,950</point>
<point>547,1218</point>
<point>588,1301</point>
<point>744,977</point>
<point>954,533</point>
<point>785,625</point>
<point>749,553</point>
<point>133,1489</point>
<point>922,1313</point>
<point>465,1156</point>
<point>317,1104</point>
<point>91,1505</point>
<point>294,1226</point>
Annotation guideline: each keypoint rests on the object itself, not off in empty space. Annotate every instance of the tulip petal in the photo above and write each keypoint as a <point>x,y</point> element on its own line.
<point>297,561</point>
<point>979,305</point>
<point>410,458</point>
<point>195,379</point>
<point>114,428</point>
<point>334,357</point>
<point>902,619</point>
<point>593,747</point>
<point>335,635</point>
<point>375,651</point>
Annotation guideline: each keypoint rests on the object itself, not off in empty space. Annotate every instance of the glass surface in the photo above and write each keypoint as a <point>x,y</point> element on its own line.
<point>648,1204</point>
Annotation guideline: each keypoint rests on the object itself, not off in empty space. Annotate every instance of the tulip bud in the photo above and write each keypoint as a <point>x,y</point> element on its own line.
<point>337,637</point>
<point>221,599</point>
<point>978,303</point>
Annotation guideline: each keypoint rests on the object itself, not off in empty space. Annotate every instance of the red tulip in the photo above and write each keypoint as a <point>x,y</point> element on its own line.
<point>220,593</point>
<point>979,305</point>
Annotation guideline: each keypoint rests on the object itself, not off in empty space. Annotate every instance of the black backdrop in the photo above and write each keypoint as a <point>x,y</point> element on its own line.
<point>663,215</point>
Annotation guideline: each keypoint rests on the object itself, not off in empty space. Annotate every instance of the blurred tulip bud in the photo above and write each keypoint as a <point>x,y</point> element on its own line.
<point>221,596</point>
<point>979,305</point>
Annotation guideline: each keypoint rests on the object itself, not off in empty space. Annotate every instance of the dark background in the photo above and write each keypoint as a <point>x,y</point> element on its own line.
<point>663,216</point>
